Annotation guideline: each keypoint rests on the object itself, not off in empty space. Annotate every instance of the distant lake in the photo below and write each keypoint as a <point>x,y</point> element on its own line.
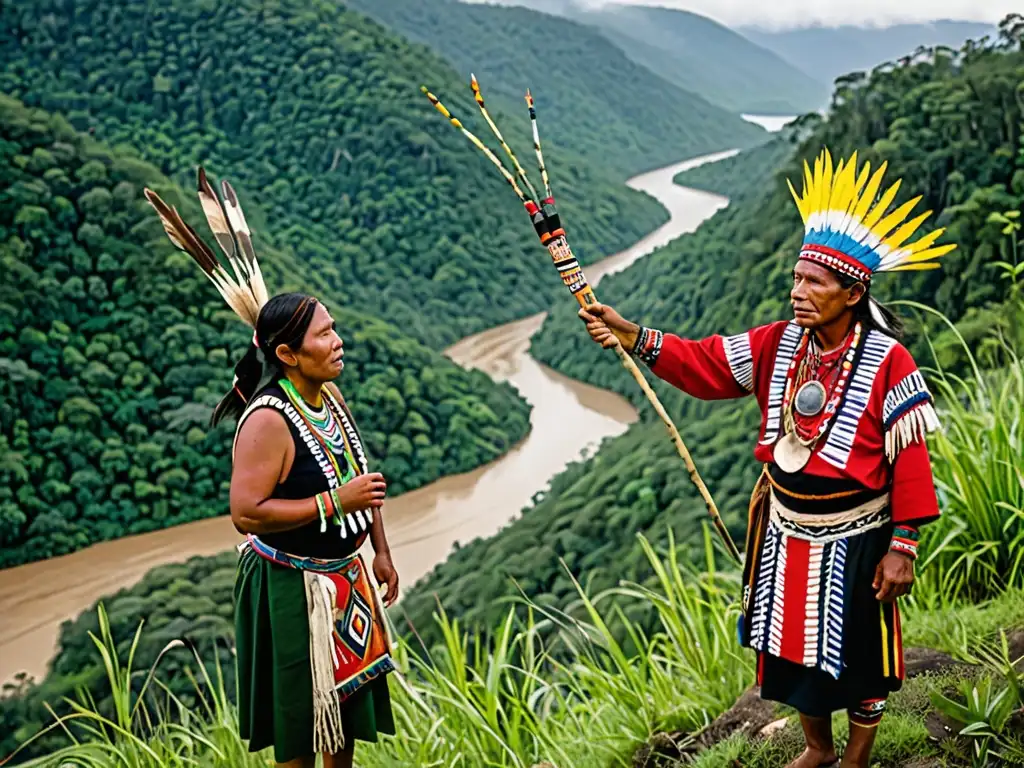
<point>771,123</point>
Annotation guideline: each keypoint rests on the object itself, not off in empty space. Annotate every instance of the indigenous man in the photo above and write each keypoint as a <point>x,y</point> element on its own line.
<point>312,644</point>
<point>847,479</point>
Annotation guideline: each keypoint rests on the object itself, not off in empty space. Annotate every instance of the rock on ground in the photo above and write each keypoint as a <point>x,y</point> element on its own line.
<point>758,719</point>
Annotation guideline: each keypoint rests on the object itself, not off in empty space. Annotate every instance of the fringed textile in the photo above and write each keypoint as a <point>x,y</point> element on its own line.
<point>908,414</point>
<point>911,427</point>
<point>321,597</point>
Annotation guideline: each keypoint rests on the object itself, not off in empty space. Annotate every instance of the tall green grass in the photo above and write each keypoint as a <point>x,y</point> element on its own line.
<point>558,686</point>
<point>975,551</point>
<point>512,701</point>
<point>147,726</point>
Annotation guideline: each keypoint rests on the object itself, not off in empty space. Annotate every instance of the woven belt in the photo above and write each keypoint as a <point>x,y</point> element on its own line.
<point>829,527</point>
<point>314,564</point>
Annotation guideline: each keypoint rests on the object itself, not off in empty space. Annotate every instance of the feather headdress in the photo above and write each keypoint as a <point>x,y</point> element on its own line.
<point>847,226</point>
<point>243,288</point>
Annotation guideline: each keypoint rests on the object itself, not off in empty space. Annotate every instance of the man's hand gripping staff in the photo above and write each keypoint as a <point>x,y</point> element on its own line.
<point>547,223</point>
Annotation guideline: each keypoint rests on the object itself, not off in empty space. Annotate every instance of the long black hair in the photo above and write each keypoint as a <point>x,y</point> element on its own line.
<point>283,320</point>
<point>871,313</point>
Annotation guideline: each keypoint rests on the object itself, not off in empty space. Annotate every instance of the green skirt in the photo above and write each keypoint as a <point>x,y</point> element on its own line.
<point>275,687</point>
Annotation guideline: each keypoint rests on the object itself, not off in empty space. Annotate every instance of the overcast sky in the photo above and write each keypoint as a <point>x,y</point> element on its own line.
<point>801,13</point>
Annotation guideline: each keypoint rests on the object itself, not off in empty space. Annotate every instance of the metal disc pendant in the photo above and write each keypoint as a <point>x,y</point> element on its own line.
<point>790,454</point>
<point>810,399</point>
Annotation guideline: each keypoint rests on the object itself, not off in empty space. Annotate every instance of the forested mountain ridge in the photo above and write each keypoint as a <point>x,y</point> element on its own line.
<point>114,348</point>
<point>315,111</point>
<point>695,53</point>
<point>590,95</point>
<point>852,48</point>
<point>703,56</point>
<point>951,128</point>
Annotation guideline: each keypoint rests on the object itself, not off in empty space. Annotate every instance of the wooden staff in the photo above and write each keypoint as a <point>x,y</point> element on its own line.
<point>547,224</point>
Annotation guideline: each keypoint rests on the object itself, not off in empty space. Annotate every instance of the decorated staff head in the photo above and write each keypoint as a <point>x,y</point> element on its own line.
<point>849,231</point>
<point>280,324</point>
<point>543,214</point>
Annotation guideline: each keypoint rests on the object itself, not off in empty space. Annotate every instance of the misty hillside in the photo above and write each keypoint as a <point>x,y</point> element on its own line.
<point>708,58</point>
<point>695,53</point>
<point>853,49</point>
<point>613,112</point>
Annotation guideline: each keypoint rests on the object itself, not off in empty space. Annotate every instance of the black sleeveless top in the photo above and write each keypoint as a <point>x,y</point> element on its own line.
<point>305,480</point>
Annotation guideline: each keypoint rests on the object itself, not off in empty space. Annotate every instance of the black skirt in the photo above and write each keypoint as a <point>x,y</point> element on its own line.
<point>824,641</point>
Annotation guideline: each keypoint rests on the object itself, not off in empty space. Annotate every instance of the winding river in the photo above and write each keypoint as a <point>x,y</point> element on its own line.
<point>568,419</point>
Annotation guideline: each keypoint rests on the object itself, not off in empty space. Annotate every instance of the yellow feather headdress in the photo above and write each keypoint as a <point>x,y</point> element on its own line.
<point>847,228</point>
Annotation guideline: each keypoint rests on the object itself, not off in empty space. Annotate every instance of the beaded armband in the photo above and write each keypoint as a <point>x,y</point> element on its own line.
<point>904,541</point>
<point>648,345</point>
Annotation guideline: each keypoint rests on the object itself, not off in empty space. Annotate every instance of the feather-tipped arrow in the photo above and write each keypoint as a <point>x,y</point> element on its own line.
<point>246,292</point>
<point>547,224</point>
<point>241,229</point>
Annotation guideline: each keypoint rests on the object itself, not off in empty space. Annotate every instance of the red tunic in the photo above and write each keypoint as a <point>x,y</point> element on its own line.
<point>887,396</point>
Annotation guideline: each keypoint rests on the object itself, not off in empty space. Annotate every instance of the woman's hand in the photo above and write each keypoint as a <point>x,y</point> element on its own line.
<point>362,492</point>
<point>385,573</point>
<point>608,328</point>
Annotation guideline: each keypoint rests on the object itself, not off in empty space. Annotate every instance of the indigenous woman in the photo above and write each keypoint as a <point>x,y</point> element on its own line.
<point>313,648</point>
<point>847,478</point>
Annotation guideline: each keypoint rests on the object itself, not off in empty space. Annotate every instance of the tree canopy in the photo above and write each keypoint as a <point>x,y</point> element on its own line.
<point>590,95</point>
<point>315,112</point>
<point>114,349</point>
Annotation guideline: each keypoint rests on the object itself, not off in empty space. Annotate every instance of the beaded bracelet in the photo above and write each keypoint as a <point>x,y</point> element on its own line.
<point>904,541</point>
<point>327,505</point>
<point>648,345</point>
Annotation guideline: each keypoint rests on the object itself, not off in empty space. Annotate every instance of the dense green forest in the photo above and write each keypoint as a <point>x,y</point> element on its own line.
<point>749,170</point>
<point>951,128</point>
<point>699,55</point>
<point>703,56</point>
<point>590,95</point>
<point>114,348</point>
<point>315,112</point>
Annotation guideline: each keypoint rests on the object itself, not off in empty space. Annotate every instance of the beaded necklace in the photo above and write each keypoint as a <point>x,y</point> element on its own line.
<point>794,450</point>
<point>326,427</point>
<point>833,380</point>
